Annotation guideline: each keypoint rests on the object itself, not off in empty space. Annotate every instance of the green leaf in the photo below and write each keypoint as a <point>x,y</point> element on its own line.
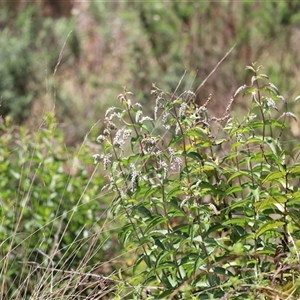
<point>159,244</point>
<point>208,167</point>
<point>233,189</point>
<point>293,169</point>
<point>219,142</point>
<point>175,191</point>
<point>269,201</point>
<point>162,257</point>
<point>239,203</point>
<point>222,271</point>
<point>254,140</point>
<point>147,260</point>
<point>153,189</point>
<point>156,221</point>
<point>237,221</point>
<point>197,132</point>
<point>198,262</point>
<point>273,145</point>
<point>125,233</point>
<point>276,123</point>
<point>250,91</point>
<point>273,176</point>
<point>215,228</point>
<point>271,225</point>
<point>144,211</point>
<point>195,155</point>
<point>133,142</point>
<point>233,147</point>
<point>137,262</point>
<point>239,174</point>
<point>114,166</point>
<point>165,294</point>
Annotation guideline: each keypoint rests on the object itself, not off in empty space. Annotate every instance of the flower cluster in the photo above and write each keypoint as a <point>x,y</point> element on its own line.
<point>175,161</point>
<point>105,158</point>
<point>134,176</point>
<point>121,136</point>
<point>139,118</point>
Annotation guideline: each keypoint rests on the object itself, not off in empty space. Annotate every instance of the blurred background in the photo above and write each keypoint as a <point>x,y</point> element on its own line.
<point>77,56</point>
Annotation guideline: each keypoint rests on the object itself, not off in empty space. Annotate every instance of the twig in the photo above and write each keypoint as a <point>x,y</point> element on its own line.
<point>214,69</point>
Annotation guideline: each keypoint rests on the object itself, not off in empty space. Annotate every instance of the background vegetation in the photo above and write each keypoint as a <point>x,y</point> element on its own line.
<point>71,229</point>
<point>105,45</point>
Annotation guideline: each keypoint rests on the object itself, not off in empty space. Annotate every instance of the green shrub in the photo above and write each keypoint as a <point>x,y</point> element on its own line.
<point>30,48</point>
<point>205,208</point>
<point>52,217</point>
<point>210,207</point>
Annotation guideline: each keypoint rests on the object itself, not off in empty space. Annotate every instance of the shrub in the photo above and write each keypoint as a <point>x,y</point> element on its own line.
<point>209,206</point>
<point>52,218</point>
<point>28,51</point>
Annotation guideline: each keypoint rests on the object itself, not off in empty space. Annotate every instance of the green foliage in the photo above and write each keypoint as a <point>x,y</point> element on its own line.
<point>192,37</point>
<point>132,43</point>
<point>51,215</point>
<point>30,47</point>
<point>17,66</point>
<point>209,205</point>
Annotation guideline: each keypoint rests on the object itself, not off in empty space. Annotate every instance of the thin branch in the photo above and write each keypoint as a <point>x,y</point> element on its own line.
<point>214,69</point>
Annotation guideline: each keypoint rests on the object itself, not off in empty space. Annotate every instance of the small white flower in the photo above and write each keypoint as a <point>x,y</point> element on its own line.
<point>139,105</point>
<point>239,137</point>
<point>184,201</point>
<point>252,117</point>
<point>241,88</point>
<point>165,167</point>
<point>121,137</point>
<point>214,208</point>
<point>182,109</point>
<point>109,110</point>
<point>271,103</point>
<point>145,119</point>
<point>171,152</point>
<point>138,116</point>
<point>96,158</point>
<point>158,153</point>
<point>106,160</point>
<point>106,131</point>
<point>288,114</point>
<point>274,88</point>
<point>134,175</point>
<point>191,93</point>
<point>110,124</point>
<point>101,138</point>
<point>176,163</point>
<point>165,120</point>
<point>155,112</point>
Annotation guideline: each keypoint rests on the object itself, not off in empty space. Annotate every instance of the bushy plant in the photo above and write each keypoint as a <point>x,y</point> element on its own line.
<point>209,206</point>
<point>30,48</point>
<point>52,219</point>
